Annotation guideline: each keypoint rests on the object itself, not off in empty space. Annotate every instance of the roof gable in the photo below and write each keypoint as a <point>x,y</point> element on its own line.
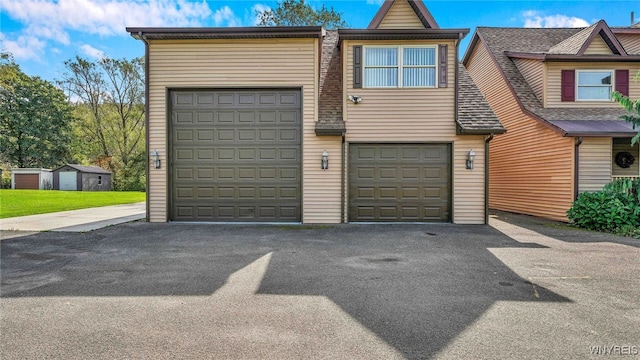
<point>580,42</point>
<point>391,6</point>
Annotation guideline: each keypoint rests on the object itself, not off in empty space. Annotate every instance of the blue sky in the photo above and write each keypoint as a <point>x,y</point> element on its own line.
<point>42,34</point>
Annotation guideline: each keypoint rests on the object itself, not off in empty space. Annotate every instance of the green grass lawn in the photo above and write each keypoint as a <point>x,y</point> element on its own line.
<point>30,202</point>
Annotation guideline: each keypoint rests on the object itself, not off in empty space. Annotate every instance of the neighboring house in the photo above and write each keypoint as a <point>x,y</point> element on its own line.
<point>31,179</point>
<point>300,124</point>
<point>74,177</point>
<point>551,90</point>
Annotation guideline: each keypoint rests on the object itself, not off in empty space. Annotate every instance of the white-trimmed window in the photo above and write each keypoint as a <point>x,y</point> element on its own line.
<point>594,85</point>
<point>400,66</point>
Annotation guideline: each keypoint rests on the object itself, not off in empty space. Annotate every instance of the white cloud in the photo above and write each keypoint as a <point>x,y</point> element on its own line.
<point>225,17</point>
<point>52,21</point>
<point>92,52</point>
<point>375,2</point>
<point>24,47</point>
<point>533,19</point>
<point>103,17</point>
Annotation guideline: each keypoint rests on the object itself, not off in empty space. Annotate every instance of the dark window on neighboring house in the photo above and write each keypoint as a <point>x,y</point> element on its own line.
<point>99,180</point>
<point>593,85</point>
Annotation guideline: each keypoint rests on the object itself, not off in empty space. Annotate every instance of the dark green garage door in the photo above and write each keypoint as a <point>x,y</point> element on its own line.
<point>399,182</point>
<point>235,155</point>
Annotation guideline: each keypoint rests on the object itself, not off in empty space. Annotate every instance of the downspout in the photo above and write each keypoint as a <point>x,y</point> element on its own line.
<point>486,178</point>
<point>342,181</point>
<point>456,81</point>
<point>146,116</point>
<point>576,168</point>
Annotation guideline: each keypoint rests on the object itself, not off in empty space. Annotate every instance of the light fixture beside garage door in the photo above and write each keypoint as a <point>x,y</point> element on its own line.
<point>156,158</point>
<point>324,164</point>
<point>470,157</point>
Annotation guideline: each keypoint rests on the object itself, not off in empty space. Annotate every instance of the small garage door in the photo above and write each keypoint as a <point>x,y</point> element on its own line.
<point>236,155</point>
<point>68,180</point>
<point>400,182</point>
<point>27,181</point>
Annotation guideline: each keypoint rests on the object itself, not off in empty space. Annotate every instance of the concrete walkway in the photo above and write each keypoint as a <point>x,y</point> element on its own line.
<point>77,220</point>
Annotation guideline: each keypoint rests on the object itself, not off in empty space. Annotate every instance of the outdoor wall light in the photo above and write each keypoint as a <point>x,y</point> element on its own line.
<point>156,158</point>
<point>324,164</point>
<point>355,99</point>
<point>470,157</point>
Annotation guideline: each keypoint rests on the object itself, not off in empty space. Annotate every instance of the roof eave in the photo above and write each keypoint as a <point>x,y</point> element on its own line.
<point>600,134</point>
<point>495,131</point>
<point>572,58</point>
<point>226,33</point>
<point>401,34</point>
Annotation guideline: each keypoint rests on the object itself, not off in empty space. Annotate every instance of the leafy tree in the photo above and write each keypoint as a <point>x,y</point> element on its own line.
<point>299,13</point>
<point>35,119</point>
<point>109,104</point>
<point>633,107</point>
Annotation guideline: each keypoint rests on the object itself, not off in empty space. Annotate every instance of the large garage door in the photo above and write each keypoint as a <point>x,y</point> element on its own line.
<point>235,155</point>
<point>27,181</point>
<point>399,182</point>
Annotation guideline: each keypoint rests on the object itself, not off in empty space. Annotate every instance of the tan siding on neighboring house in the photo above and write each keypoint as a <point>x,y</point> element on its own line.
<point>401,16</point>
<point>554,82</point>
<point>284,63</point>
<point>531,166</point>
<point>630,42</point>
<point>594,164</point>
<point>625,145</point>
<point>533,72</point>
<point>598,47</point>
<point>419,116</point>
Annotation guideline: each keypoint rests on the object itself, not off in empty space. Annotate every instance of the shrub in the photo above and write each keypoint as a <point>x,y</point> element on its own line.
<point>615,209</point>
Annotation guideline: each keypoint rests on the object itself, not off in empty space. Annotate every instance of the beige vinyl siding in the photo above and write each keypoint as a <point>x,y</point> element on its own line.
<point>598,47</point>
<point>284,63</point>
<point>418,116</point>
<point>531,166</point>
<point>392,113</point>
<point>630,42</point>
<point>595,164</point>
<point>468,185</point>
<point>553,76</point>
<point>624,144</point>
<point>533,72</point>
<point>401,16</point>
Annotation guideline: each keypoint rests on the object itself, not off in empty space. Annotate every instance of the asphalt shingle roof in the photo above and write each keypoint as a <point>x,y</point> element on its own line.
<point>474,112</point>
<point>88,169</point>
<point>574,43</point>
<point>528,40</point>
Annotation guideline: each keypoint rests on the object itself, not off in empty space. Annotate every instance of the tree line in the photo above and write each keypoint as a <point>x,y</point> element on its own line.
<point>93,115</point>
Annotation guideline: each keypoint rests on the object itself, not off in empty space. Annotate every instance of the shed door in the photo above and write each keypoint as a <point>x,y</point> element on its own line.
<point>68,180</point>
<point>27,181</point>
<point>400,182</point>
<point>235,155</point>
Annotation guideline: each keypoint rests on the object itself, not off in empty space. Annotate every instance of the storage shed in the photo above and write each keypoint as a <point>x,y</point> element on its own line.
<point>81,178</point>
<point>31,178</point>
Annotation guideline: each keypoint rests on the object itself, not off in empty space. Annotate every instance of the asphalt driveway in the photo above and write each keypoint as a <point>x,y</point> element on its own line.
<point>162,291</point>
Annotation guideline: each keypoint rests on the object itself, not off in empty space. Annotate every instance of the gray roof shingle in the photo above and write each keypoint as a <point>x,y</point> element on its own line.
<point>528,40</point>
<point>474,113</point>
<point>87,169</point>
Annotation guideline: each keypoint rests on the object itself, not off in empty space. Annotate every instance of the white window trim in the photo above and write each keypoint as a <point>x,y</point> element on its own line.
<point>612,85</point>
<point>400,66</point>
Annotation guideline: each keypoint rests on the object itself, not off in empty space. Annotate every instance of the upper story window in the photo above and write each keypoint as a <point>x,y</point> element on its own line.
<point>400,67</point>
<point>594,85</point>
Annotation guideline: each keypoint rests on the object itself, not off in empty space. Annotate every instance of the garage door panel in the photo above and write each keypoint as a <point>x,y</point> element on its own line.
<point>399,182</point>
<point>243,149</point>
